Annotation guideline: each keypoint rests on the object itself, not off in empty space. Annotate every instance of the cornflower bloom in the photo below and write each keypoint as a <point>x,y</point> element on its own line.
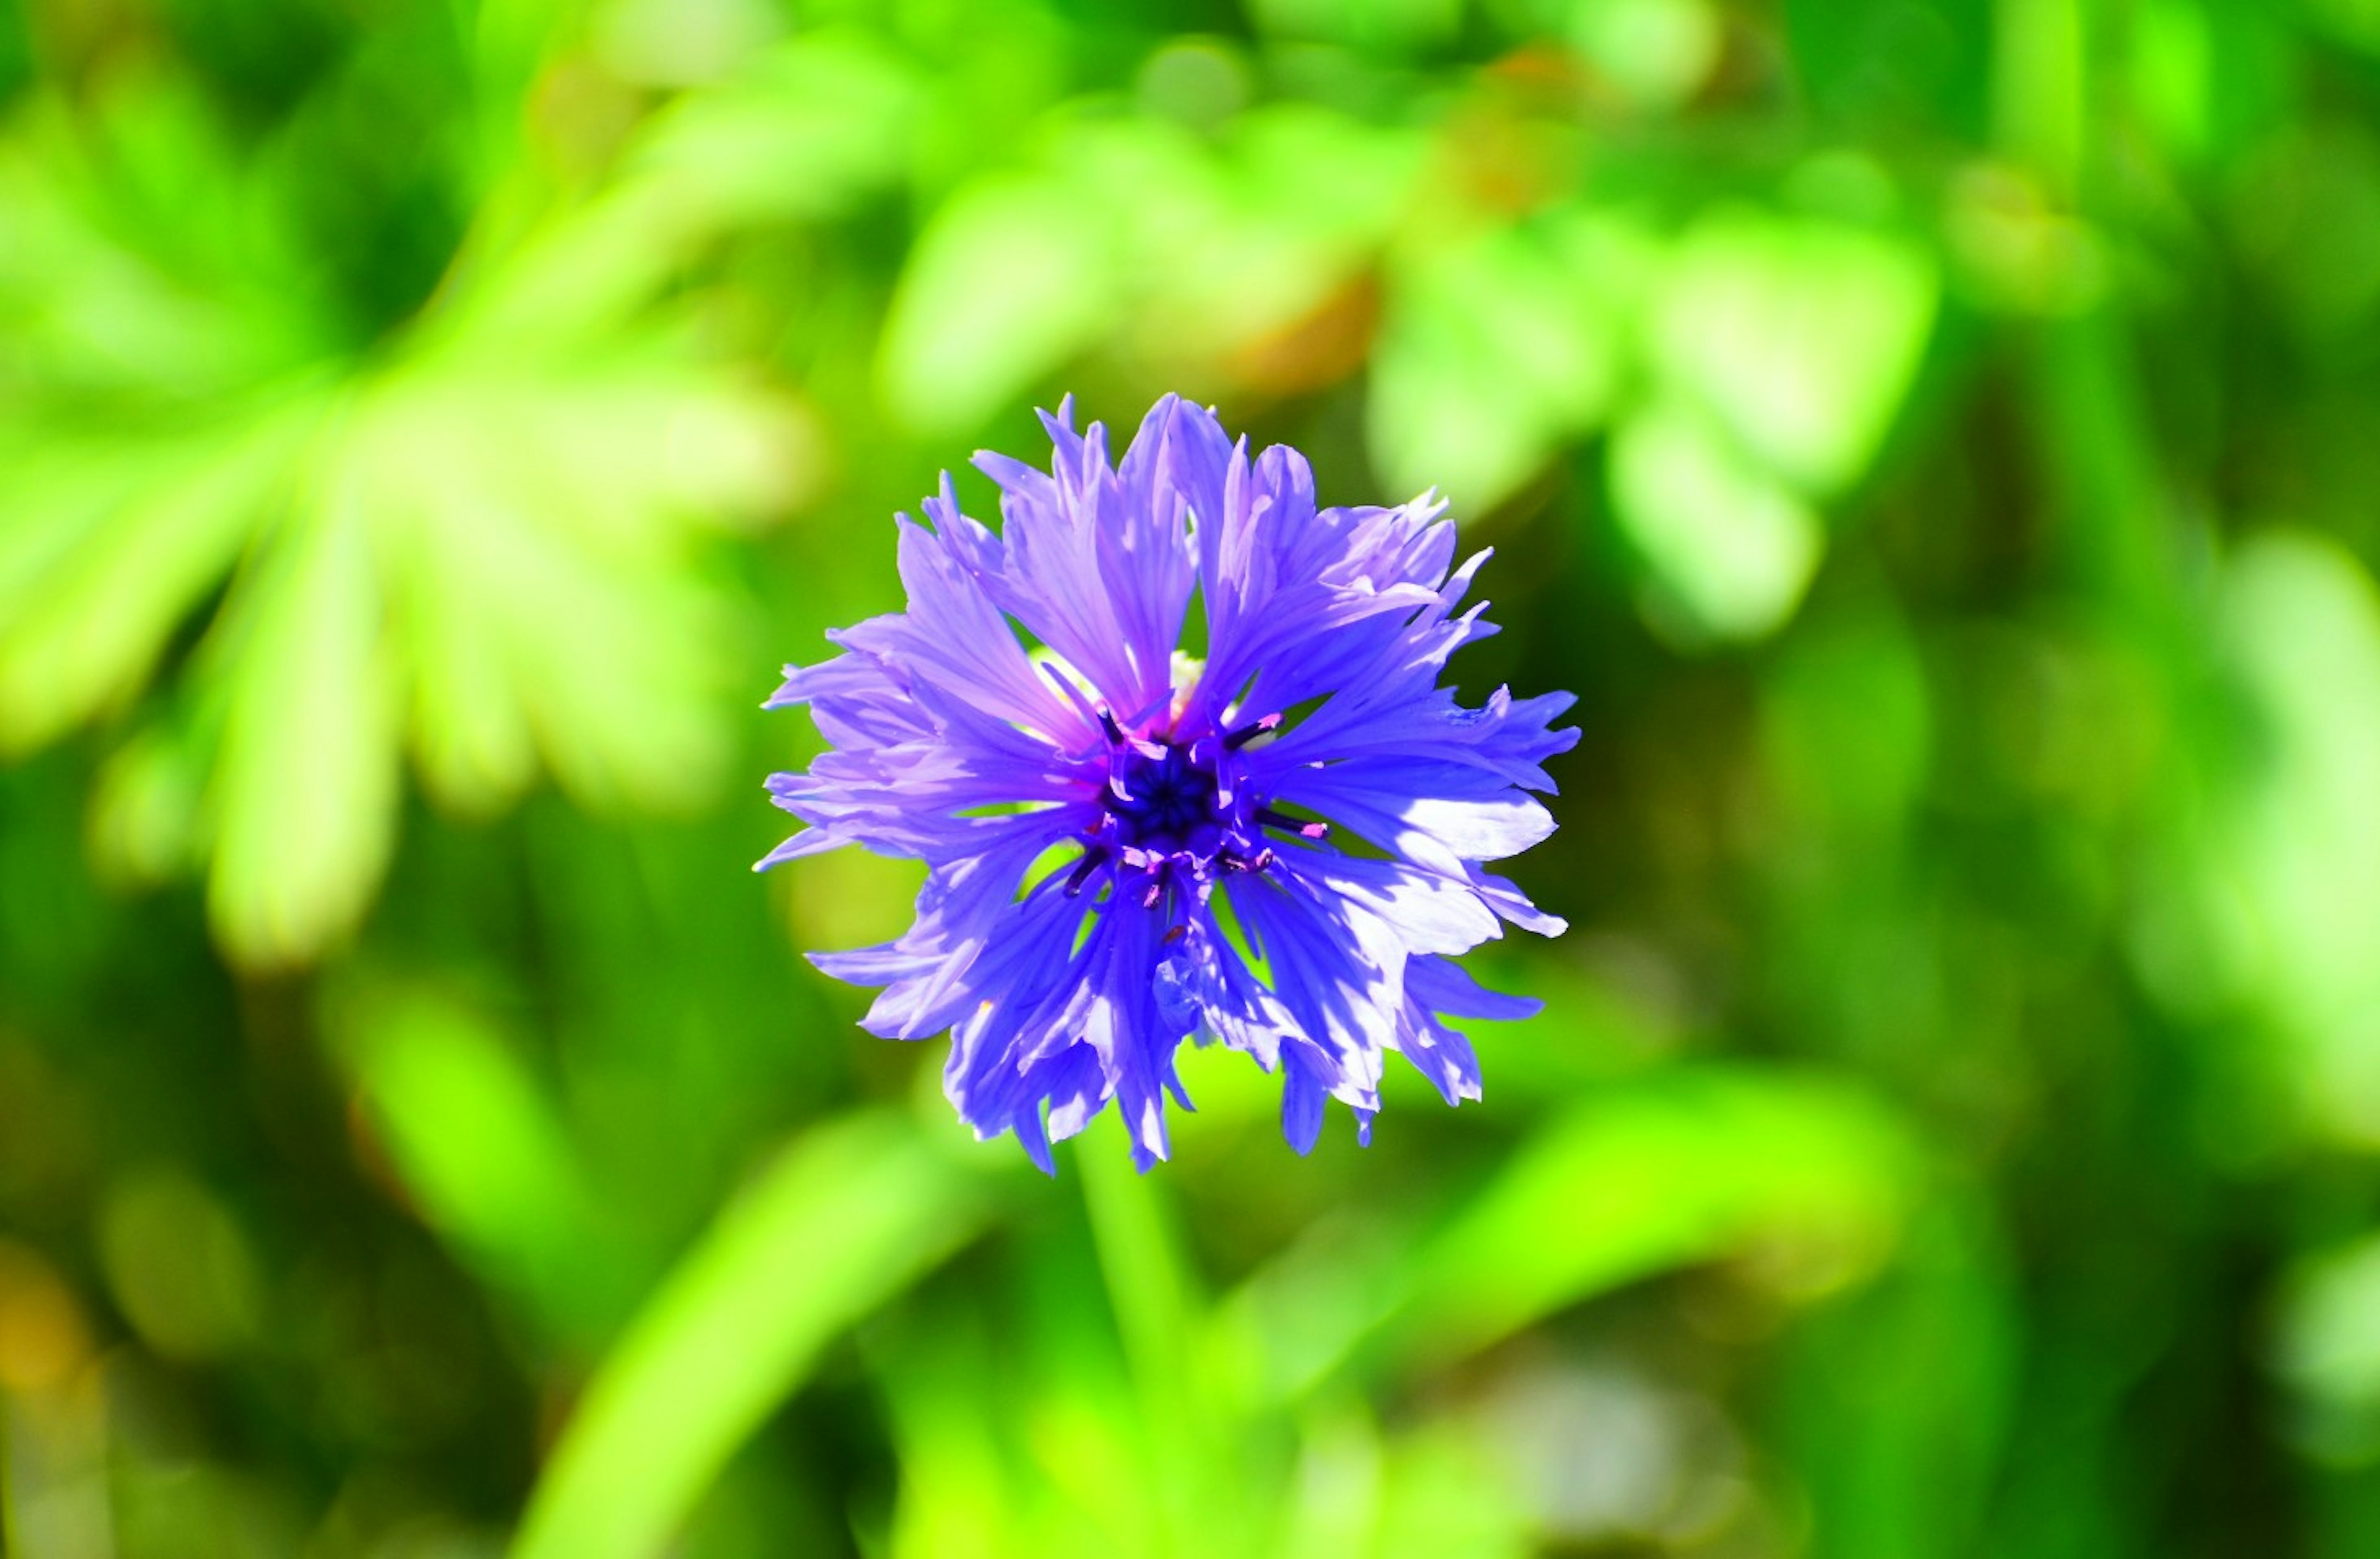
<point>1126,846</point>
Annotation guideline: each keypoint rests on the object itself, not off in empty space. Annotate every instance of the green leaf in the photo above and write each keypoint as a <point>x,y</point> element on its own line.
<point>2327,1351</point>
<point>955,1496</point>
<point>810,127</point>
<point>1727,549</point>
<point>1446,1494</point>
<point>2285,888</point>
<point>483,543</point>
<point>1798,336</point>
<point>1339,178</point>
<point>1152,1291</point>
<point>1012,278</point>
<point>1499,350</point>
<point>475,1141</point>
<point>958,1500</point>
<point>1889,1470</point>
<point>805,130</point>
<point>305,788</point>
<point>1657,52</point>
<point>852,1215</point>
<point>145,825</point>
<point>542,605</point>
<point>1847,729</point>
<point>179,1265</point>
<point>83,632</point>
<point>1382,24</point>
<point>1683,1169</point>
<point>141,259</point>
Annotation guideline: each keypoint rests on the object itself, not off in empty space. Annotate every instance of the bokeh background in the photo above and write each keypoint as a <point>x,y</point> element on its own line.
<point>1938,441</point>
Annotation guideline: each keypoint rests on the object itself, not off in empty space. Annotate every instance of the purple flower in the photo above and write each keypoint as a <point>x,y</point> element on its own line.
<point>1126,846</point>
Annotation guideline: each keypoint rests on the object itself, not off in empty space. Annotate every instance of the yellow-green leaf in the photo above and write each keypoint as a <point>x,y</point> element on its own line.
<point>1799,337</point>
<point>305,790</point>
<point>1727,549</point>
<point>852,1215</point>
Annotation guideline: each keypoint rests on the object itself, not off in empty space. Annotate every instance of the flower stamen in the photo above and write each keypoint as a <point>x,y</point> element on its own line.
<point>1310,829</point>
<point>1093,859</point>
<point>1265,725</point>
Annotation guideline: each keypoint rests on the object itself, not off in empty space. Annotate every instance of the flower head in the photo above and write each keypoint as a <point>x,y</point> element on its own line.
<point>1277,847</point>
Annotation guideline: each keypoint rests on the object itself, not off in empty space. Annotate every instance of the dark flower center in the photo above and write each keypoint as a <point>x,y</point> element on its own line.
<point>1167,820</point>
<point>1162,801</point>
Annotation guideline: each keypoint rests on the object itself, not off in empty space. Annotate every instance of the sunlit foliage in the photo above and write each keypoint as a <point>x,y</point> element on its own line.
<point>1935,437</point>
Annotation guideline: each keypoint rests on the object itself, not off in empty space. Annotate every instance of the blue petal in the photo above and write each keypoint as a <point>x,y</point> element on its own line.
<point>1097,563</point>
<point>938,721</point>
<point>1302,1097</point>
<point>1441,984</point>
<point>955,638</point>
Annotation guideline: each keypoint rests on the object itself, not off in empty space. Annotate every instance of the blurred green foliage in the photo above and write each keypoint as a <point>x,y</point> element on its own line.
<point>1935,437</point>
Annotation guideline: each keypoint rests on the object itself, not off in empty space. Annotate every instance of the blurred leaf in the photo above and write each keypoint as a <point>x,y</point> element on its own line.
<point>1683,1169</point>
<point>574,282</point>
<point>304,787</point>
<point>510,43</point>
<point>2326,1348</point>
<point>1500,348</point>
<point>1248,260</point>
<point>1334,1503</point>
<point>179,1264</point>
<point>48,1337</point>
<point>144,825</point>
<point>851,1215</point>
<point>1195,1485</point>
<point>1198,264</point>
<point>809,126</point>
<point>2354,22</point>
<point>79,635</point>
<point>2287,890</point>
<point>1890,1471</point>
<point>1800,337</point>
<point>681,43</point>
<point>1241,260</point>
<point>1814,1177</point>
<point>1886,73</point>
<point>1444,1496</point>
<point>1383,24</point>
<point>1846,720</point>
<point>1140,1253</point>
<point>1344,180</point>
<point>539,584</point>
<point>956,1501</point>
<point>475,1141</point>
<point>139,259</point>
<point>1727,549</point>
<point>2173,72</point>
<point>802,132</point>
<point>1250,237</point>
<point>2039,93</point>
<point>1657,52</point>
<point>480,544</point>
<point>1012,277</point>
<point>2315,226</point>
